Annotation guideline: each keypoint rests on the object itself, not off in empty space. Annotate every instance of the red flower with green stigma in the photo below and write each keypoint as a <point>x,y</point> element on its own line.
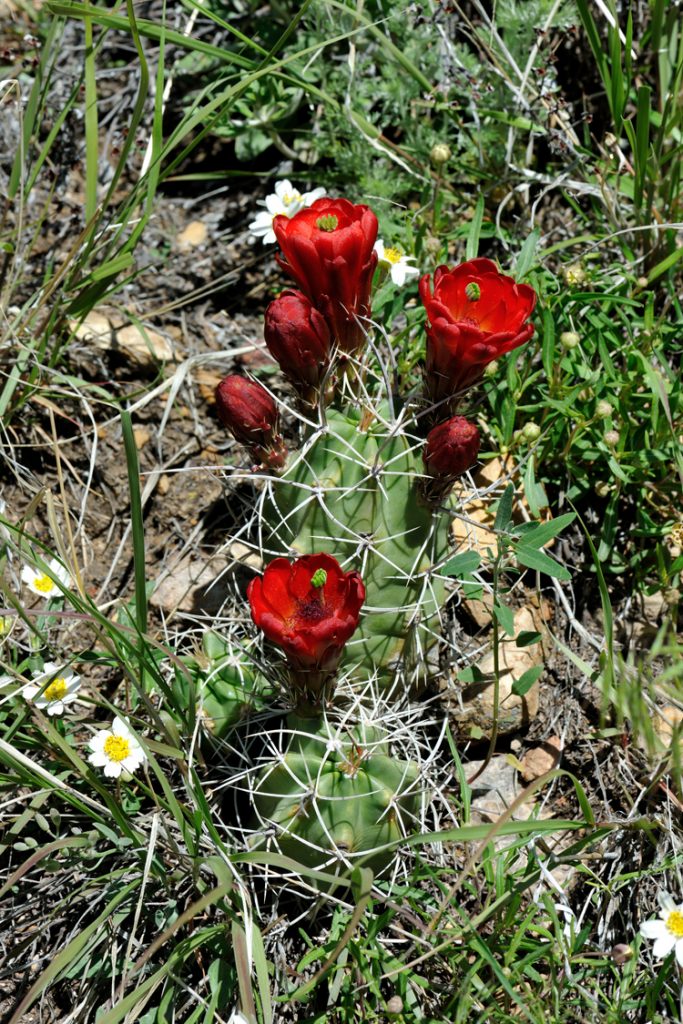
<point>474,315</point>
<point>309,608</point>
<point>328,249</point>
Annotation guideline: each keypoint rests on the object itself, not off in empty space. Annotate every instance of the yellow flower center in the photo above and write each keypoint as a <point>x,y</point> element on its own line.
<point>56,690</point>
<point>44,584</point>
<point>291,197</point>
<point>674,923</point>
<point>117,748</point>
<point>392,255</point>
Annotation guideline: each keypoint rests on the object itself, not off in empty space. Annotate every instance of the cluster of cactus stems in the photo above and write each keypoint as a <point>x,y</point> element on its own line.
<point>352,527</point>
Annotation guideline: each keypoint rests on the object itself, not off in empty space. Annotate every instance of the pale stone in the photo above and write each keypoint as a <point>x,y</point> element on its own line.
<point>141,344</point>
<point>193,235</point>
<point>472,704</point>
<point>539,760</point>
<point>142,435</point>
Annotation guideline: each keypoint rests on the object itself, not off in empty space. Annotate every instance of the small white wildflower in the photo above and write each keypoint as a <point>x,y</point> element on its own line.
<point>667,931</point>
<point>45,584</point>
<point>53,688</point>
<point>396,262</point>
<point>116,750</point>
<point>284,201</point>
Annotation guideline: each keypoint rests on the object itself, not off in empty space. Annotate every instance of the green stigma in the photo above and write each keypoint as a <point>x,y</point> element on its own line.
<point>319,578</point>
<point>327,223</point>
<point>473,291</point>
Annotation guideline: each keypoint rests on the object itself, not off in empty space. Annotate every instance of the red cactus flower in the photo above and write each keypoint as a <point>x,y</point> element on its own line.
<point>309,608</point>
<point>474,315</point>
<point>297,336</point>
<point>451,448</point>
<point>328,251</point>
<point>250,414</point>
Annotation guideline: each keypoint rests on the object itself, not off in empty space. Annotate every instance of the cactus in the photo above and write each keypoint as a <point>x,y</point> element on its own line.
<point>225,684</point>
<point>335,792</point>
<point>354,492</point>
<point>361,511</point>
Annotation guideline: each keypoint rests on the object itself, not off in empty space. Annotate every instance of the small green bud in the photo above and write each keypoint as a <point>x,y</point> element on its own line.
<point>492,369</point>
<point>603,409</point>
<point>440,154</point>
<point>472,291</point>
<point>327,223</point>
<point>319,578</point>
<point>568,339</point>
<point>5,624</point>
<point>531,431</point>
<point>574,275</point>
<point>611,437</point>
<point>602,488</point>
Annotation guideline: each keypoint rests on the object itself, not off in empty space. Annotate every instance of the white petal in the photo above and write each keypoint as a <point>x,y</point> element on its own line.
<point>663,946</point>
<point>50,669</point>
<point>99,739</point>
<point>310,197</point>
<point>113,769</point>
<point>666,902</point>
<point>55,707</point>
<point>119,727</point>
<point>262,222</point>
<point>70,696</point>
<point>282,188</point>
<point>398,274</point>
<point>275,206</point>
<point>653,929</point>
<point>29,691</point>
<point>378,247</point>
<point>28,575</point>
<point>98,758</point>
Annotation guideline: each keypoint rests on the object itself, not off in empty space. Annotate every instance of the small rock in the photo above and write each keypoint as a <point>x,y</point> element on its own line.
<point>142,436</point>
<point>539,760</point>
<point>191,586</point>
<point>194,234</point>
<point>107,332</point>
<point>163,484</point>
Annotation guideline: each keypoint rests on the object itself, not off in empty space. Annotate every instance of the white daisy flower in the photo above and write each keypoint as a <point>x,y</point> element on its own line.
<point>396,262</point>
<point>53,688</point>
<point>116,750</point>
<point>284,201</point>
<point>45,584</point>
<point>667,932</point>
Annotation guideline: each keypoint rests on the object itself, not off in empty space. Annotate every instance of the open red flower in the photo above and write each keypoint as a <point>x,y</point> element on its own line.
<point>309,608</point>
<point>328,251</point>
<point>474,315</point>
<point>297,336</point>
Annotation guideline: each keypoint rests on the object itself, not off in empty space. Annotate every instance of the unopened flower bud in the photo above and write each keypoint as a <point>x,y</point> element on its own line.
<point>297,336</point>
<point>440,154</point>
<point>603,409</point>
<point>642,282</point>
<point>611,437</point>
<point>451,448</point>
<point>250,414</point>
<point>395,1005</point>
<point>621,953</point>
<point>492,369</point>
<point>569,340</point>
<point>531,431</point>
<point>602,488</point>
<point>585,395</point>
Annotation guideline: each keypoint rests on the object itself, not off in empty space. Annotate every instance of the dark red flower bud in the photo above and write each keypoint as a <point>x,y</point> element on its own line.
<point>328,250</point>
<point>297,336</point>
<point>250,414</point>
<point>474,315</point>
<point>452,447</point>
<point>309,608</point>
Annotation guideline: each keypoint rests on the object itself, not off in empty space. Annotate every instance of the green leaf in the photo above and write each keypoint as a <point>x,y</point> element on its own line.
<point>475,230</point>
<point>505,618</point>
<point>526,681</point>
<point>527,637</point>
<point>462,564</point>
<point>527,255</point>
<point>504,513</point>
<point>540,533</point>
<point>538,560</point>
